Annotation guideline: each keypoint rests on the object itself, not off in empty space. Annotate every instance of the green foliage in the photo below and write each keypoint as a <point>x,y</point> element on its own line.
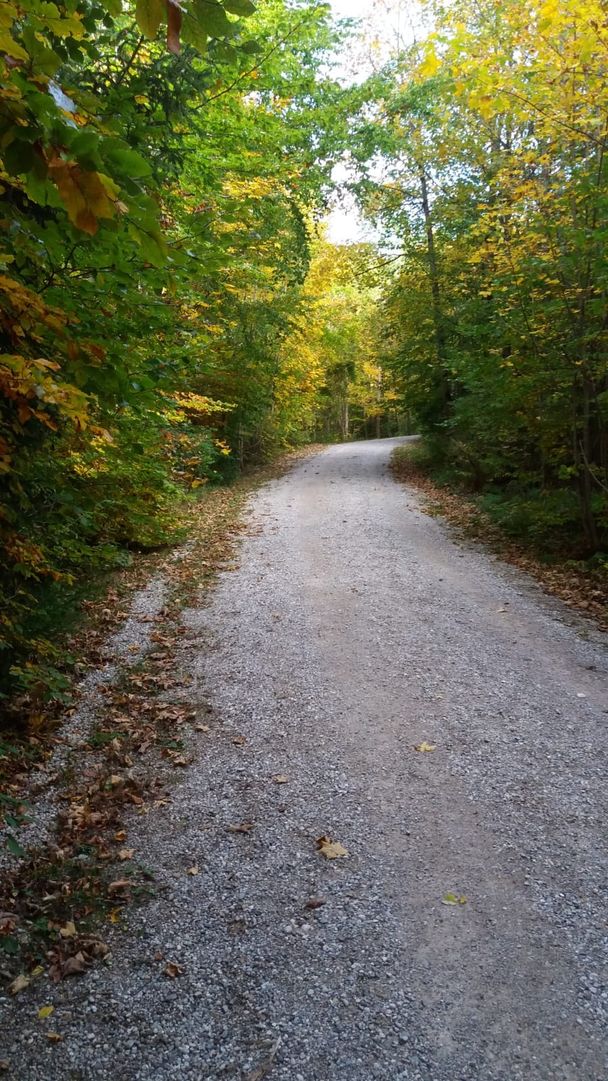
<point>494,192</point>
<point>156,199</point>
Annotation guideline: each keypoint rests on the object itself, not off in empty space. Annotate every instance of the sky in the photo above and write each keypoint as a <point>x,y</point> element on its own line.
<point>385,24</point>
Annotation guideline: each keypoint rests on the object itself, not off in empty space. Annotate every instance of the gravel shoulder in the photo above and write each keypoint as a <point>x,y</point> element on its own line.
<point>354,627</point>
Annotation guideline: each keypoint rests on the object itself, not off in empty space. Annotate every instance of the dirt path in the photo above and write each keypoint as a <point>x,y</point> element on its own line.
<point>355,628</point>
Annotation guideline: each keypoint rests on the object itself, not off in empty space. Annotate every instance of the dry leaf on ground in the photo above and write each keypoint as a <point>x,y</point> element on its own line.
<point>194,870</point>
<point>453,899</point>
<point>172,970</point>
<point>242,827</point>
<point>332,850</point>
<point>54,1037</point>
<point>265,1067</point>
<point>44,1012</point>
<point>75,966</point>
<point>120,884</point>
<point>19,984</point>
<point>315,902</point>
<point>69,930</point>
<point>424,746</point>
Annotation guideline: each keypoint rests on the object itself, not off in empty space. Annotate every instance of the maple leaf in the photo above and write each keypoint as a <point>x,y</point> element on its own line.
<point>332,850</point>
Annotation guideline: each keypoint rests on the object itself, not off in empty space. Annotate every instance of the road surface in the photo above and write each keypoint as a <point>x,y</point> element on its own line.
<point>354,629</point>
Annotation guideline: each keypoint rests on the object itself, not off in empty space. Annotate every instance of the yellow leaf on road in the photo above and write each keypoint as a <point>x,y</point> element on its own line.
<point>332,850</point>
<point>44,1012</point>
<point>453,899</point>
<point>424,746</point>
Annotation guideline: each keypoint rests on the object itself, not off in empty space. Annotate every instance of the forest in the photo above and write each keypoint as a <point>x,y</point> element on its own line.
<point>173,311</point>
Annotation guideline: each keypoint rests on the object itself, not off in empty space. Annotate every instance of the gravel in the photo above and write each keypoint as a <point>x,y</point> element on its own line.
<point>356,627</point>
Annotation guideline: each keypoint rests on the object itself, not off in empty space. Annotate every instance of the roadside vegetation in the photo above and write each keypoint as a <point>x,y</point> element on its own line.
<point>479,153</point>
<point>172,311</point>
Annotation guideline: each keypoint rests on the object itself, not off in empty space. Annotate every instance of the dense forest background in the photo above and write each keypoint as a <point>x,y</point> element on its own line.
<point>172,310</point>
<point>490,136</point>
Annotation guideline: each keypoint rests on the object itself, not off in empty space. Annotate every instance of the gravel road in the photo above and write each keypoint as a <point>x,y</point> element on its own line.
<point>355,628</point>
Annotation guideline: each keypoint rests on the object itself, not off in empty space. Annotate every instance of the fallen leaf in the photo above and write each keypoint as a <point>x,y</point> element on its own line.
<point>332,850</point>
<point>4,1065</point>
<point>243,827</point>
<point>120,835</point>
<point>69,931</point>
<point>265,1067</point>
<point>280,778</point>
<point>44,1012</point>
<point>424,746</point>
<point>120,884</point>
<point>453,899</point>
<point>193,870</point>
<point>239,741</point>
<point>75,965</point>
<point>114,915</point>
<point>237,927</point>
<point>126,853</point>
<point>172,970</point>
<point>97,948</point>
<point>315,902</point>
<point>175,758</point>
<point>19,984</point>
<point>201,727</point>
<point>54,1037</point>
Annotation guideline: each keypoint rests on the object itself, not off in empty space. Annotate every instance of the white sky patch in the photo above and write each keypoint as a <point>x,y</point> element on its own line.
<point>386,27</point>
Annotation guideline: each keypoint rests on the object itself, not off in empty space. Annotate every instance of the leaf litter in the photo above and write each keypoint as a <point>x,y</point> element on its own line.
<point>65,889</point>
